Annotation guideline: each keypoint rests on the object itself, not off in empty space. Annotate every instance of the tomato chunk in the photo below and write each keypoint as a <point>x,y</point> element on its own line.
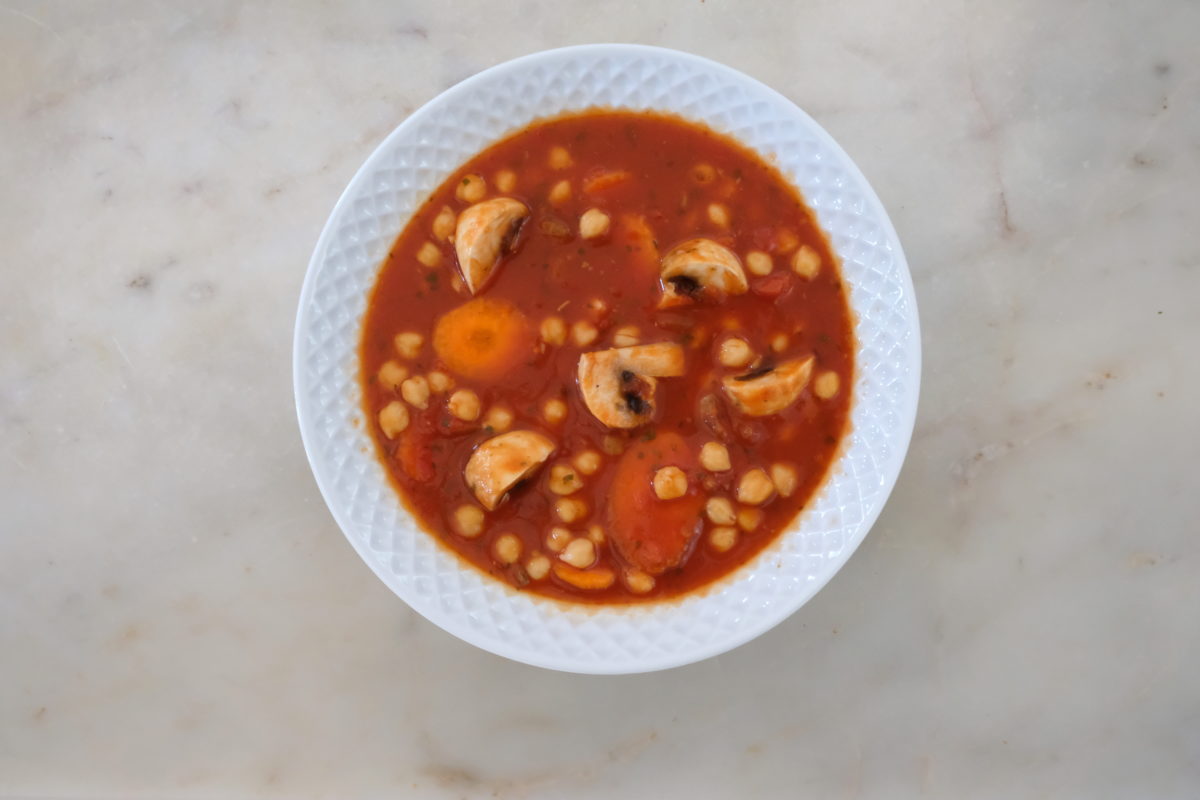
<point>416,457</point>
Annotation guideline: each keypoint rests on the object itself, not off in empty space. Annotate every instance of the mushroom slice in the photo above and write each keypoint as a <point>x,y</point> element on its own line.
<point>761,393</point>
<point>618,384</point>
<point>485,233</point>
<point>700,269</point>
<point>500,462</point>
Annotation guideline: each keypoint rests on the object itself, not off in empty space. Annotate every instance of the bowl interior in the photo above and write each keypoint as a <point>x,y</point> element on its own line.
<point>393,183</point>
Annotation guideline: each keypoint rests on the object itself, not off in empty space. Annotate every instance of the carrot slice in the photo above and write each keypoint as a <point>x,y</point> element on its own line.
<point>483,338</point>
<point>652,534</point>
<point>635,234</point>
<point>605,180</point>
<point>591,579</point>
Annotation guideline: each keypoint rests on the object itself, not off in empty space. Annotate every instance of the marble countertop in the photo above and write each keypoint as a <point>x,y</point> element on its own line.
<point>181,618</point>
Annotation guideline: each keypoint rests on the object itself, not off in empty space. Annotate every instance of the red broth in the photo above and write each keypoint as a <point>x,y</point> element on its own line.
<point>660,181</point>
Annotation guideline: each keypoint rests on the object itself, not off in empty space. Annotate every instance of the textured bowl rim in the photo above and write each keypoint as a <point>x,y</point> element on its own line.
<point>890,470</point>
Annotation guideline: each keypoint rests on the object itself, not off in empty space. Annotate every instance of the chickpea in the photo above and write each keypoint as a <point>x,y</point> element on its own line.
<point>393,419</point>
<point>537,567</point>
<point>554,411</point>
<point>749,518</point>
<point>597,307</point>
<point>440,382</point>
<point>429,254</point>
<point>735,353</point>
<point>755,488</point>
<point>718,214</point>
<point>557,539</point>
<point>584,333</point>
<point>471,189</point>
<point>722,539</point>
<point>570,510</point>
<point>559,158</point>
<point>560,193</point>
<point>670,483</point>
<point>779,342</point>
<point>468,521</point>
<point>506,180</point>
<point>506,548</point>
<point>498,418</point>
<point>626,336</point>
<point>564,479</point>
<point>464,404</point>
<point>785,241</point>
<point>714,457</point>
<point>580,553</point>
<point>826,385</point>
<point>444,223</point>
<point>784,478</point>
<point>391,375</point>
<point>759,263</point>
<point>639,582</point>
<point>593,224</point>
<point>806,263</point>
<point>704,173</point>
<point>720,511</point>
<point>587,462</point>
<point>613,445</point>
<point>408,344</point>
<point>415,390</point>
<point>554,330</point>
<point>596,534</point>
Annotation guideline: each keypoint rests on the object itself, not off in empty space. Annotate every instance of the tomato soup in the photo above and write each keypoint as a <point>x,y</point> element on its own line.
<point>610,359</point>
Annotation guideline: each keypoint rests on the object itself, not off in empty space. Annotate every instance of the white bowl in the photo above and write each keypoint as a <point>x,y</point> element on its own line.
<point>391,185</point>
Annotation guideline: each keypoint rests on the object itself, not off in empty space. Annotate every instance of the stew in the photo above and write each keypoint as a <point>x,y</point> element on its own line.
<point>610,359</point>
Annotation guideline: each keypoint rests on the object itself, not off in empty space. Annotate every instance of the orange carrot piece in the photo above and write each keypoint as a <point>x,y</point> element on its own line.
<point>635,233</point>
<point>652,534</point>
<point>483,338</point>
<point>591,579</point>
<point>605,180</point>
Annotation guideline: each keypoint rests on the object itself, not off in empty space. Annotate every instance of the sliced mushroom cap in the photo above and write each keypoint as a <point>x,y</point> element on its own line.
<point>761,393</point>
<point>500,462</point>
<point>484,234</point>
<point>700,270</point>
<point>618,385</point>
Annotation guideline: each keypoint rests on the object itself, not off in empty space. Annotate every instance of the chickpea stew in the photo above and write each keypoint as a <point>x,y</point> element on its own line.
<point>610,359</point>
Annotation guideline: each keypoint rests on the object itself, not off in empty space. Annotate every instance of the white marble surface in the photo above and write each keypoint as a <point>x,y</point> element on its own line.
<point>179,616</point>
